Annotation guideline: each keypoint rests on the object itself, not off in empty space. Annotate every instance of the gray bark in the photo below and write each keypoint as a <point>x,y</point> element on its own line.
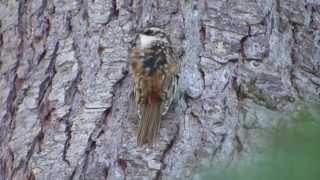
<point>65,87</point>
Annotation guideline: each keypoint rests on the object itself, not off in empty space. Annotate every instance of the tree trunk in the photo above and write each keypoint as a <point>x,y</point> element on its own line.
<point>66,90</point>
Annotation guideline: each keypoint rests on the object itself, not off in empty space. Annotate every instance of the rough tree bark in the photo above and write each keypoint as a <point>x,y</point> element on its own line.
<point>65,87</point>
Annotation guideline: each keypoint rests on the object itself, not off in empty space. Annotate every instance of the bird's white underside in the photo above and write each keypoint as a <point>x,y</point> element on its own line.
<point>145,40</point>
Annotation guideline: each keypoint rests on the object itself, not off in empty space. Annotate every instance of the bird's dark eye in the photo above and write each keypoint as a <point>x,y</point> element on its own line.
<point>148,32</point>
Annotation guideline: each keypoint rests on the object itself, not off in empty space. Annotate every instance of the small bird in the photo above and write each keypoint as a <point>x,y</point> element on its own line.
<point>154,69</point>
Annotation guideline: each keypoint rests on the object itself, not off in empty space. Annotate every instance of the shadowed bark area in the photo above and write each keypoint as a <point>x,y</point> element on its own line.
<point>66,90</point>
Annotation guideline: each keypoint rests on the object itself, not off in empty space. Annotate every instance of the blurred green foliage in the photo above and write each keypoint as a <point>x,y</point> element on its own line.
<point>294,154</point>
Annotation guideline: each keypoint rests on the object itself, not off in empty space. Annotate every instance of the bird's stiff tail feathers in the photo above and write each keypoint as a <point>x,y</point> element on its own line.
<point>150,123</point>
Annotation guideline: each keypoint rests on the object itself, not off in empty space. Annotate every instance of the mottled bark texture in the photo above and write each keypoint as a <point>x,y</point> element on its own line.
<point>65,86</point>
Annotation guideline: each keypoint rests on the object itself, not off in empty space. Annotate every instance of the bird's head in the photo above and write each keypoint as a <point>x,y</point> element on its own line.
<point>150,36</point>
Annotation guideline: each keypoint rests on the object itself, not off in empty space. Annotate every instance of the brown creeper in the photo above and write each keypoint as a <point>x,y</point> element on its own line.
<point>154,68</point>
